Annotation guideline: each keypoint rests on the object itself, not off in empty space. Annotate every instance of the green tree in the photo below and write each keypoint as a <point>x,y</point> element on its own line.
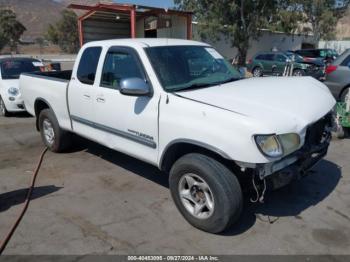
<point>65,32</point>
<point>288,17</point>
<point>323,16</point>
<point>10,29</point>
<point>238,20</point>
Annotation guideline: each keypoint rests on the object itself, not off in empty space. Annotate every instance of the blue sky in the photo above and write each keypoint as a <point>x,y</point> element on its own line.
<point>155,3</point>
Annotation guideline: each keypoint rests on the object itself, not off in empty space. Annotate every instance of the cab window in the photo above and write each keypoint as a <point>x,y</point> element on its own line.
<point>119,65</point>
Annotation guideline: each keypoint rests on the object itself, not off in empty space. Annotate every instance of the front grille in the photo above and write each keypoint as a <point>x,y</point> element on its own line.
<point>315,132</point>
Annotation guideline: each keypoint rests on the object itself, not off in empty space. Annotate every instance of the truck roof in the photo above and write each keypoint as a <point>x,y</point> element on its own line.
<point>147,42</point>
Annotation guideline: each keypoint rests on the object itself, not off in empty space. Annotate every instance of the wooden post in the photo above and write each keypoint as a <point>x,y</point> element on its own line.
<point>133,22</point>
<point>189,27</point>
<point>80,29</point>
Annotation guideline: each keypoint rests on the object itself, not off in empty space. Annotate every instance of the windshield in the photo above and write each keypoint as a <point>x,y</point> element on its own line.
<point>181,68</point>
<point>11,69</point>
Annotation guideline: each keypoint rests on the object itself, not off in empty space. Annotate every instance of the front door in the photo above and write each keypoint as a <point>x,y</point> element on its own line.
<point>280,64</point>
<point>127,123</point>
<point>268,63</point>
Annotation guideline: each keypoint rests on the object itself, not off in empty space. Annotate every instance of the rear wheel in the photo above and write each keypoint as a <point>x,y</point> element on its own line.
<point>3,110</point>
<point>56,139</point>
<point>207,194</point>
<point>257,72</point>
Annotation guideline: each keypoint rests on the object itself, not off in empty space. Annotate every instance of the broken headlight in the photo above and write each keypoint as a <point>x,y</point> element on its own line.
<point>277,145</point>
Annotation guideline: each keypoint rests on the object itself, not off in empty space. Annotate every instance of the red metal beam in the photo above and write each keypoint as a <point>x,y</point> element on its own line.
<point>80,30</point>
<point>80,26</point>
<point>102,7</point>
<point>133,22</point>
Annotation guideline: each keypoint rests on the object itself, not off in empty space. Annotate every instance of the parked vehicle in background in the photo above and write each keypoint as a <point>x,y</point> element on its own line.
<point>180,106</point>
<point>10,70</point>
<point>325,54</point>
<point>274,64</point>
<point>338,76</point>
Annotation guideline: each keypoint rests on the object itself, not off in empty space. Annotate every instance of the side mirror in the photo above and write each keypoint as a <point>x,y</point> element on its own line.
<point>134,87</point>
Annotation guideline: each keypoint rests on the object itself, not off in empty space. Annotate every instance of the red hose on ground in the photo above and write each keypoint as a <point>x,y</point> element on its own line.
<point>26,204</point>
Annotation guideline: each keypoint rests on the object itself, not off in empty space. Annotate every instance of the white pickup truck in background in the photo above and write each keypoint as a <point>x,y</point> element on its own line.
<point>178,105</point>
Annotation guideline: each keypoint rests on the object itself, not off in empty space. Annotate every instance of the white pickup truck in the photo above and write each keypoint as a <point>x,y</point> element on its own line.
<point>178,105</point>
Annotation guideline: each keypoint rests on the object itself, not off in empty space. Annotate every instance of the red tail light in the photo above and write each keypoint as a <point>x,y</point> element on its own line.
<point>250,61</point>
<point>330,69</point>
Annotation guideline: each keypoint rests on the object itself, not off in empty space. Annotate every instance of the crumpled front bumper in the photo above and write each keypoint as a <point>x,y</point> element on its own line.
<point>305,158</point>
<point>297,165</point>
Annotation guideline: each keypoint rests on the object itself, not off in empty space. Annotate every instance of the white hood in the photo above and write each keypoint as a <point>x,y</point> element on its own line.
<point>293,101</point>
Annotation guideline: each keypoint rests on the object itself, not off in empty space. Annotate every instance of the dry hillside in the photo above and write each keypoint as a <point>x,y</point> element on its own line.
<point>343,28</point>
<point>36,15</point>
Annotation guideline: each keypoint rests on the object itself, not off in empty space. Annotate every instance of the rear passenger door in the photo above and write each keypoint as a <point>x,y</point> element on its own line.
<point>81,90</point>
<point>126,123</point>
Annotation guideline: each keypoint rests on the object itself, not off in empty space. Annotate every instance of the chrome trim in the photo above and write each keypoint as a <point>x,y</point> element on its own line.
<point>135,138</point>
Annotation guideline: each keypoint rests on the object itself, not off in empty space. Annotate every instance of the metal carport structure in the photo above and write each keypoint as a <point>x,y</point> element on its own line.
<point>108,21</point>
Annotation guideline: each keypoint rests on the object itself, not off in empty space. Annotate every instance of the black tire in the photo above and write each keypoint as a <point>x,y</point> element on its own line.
<point>3,110</point>
<point>298,72</point>
<point>223,184</point>
<point>257,71</point>
<point>61,140</point>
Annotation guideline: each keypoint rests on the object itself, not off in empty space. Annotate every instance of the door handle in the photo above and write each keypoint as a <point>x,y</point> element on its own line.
<point>87,96</point>
<point>100,100</point>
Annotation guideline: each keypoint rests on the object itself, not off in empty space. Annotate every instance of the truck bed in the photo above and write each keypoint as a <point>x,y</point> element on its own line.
<point>49,88</point>
<point>54,75</point>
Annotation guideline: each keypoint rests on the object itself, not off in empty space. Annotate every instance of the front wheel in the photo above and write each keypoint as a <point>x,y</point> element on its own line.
<point>298,72</point>
<point>257,72</point>
<point>3,110</point>
<point>206,193</point>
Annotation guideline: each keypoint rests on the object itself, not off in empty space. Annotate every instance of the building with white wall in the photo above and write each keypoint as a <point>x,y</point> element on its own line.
<point>268,41</point>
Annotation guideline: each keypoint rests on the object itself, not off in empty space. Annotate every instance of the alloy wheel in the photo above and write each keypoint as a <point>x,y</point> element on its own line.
<point>49,132</point>
<point>196,196</point>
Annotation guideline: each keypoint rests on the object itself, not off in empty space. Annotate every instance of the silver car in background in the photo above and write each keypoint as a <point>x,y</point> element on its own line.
<point>338,76</point>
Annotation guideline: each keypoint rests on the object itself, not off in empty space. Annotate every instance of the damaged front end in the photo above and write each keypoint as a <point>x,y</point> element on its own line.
<point>278,174</point>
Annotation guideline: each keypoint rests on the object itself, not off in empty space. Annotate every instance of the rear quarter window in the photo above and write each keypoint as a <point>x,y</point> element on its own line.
<point>88,65</point>
<point>346,61</point>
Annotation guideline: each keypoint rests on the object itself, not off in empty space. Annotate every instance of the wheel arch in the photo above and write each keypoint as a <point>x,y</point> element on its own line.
<point>180,147</point>
<point>39,105</point>
<point>342,91</point>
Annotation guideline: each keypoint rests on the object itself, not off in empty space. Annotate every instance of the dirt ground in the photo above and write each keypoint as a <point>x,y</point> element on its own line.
<point>96,201</point>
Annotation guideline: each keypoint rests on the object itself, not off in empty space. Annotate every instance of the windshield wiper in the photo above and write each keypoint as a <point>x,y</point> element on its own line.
<point>203,85</point>
<point>194,86</point>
